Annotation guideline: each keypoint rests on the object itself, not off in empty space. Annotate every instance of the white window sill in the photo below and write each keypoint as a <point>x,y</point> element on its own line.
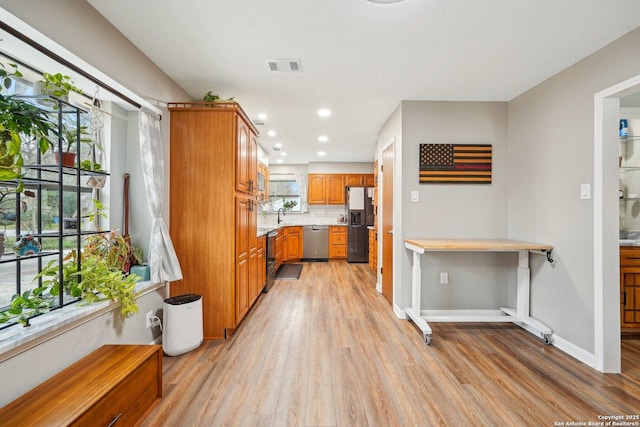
<point>18,338</point>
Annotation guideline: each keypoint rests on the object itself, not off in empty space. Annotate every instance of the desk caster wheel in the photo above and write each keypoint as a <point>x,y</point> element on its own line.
<point>546,338</point>
<point>427,339</point>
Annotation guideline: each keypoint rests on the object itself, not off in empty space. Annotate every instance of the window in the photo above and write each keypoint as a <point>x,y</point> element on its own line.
<point>58,207</point>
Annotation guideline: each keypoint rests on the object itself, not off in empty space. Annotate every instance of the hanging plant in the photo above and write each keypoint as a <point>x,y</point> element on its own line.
<point>20,121</point>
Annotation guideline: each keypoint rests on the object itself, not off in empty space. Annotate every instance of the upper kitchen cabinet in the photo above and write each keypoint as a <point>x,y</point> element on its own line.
<point>329,189</point>
<point>335,189</point>
<point>316,194</point>
<point>359,180</point>
<point>246,157</point>
<point>326,189</point>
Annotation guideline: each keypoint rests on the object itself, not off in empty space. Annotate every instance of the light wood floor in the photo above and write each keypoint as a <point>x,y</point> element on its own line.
<point>326,350</point>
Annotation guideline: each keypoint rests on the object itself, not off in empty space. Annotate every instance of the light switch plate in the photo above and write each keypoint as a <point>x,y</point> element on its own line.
<point>585,191</point>
<point>415,196</point>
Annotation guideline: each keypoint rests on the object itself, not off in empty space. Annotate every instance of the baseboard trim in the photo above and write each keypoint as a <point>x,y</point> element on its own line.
<point>574,351</point>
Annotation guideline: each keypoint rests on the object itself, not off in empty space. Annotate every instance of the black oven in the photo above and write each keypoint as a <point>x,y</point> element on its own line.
<point>271,259</point>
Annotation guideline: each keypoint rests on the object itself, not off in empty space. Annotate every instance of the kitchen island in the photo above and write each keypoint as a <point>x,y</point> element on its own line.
<point>519,316</point>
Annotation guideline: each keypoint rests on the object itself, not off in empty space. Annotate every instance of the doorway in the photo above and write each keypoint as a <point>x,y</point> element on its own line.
<point>387,222</point>
<point>607,351</point>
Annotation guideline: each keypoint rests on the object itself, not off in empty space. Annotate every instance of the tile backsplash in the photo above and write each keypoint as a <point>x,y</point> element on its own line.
<point>316,215</point>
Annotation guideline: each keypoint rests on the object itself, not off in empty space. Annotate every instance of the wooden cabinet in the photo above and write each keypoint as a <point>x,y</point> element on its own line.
<point>335,189</point>
<point>246,159</point>
<point>337,242</point>
<point>326,189</point>
<point>373,251</point>
<point>279,249</point>
<point>213,215</point>
<point>359,180</point>
<point>316,194</point>
<point>292,243</point>
<point>630,287</point>
<point>369,180</point>
<point>329,189</point>
<point>263,195</point>
<point>262,264</point>
<point>354,180</point>
<point>116,384</point>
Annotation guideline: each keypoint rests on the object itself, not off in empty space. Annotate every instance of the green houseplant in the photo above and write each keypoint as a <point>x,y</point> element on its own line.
<point>20,121</point>
<point>57,85</point>
<point>93,276</point>
<point>70,136</point>
<point>30,303</point>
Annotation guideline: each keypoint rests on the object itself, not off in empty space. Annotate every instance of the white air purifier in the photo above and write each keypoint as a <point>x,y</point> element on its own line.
<point>182,329</point>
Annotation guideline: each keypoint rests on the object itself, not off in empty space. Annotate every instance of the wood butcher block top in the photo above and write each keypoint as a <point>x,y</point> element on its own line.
<point>475,245</point>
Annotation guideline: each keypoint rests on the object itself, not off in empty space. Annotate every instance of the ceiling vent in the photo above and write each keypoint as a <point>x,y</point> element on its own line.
<point>284,65</point>
<point>276,149</point>
<point>258,122</point>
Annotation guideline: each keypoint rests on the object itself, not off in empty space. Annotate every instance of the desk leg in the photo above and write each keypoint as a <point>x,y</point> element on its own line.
<point>416,296</point>
<point>523,290</point>
<point>522,312</point>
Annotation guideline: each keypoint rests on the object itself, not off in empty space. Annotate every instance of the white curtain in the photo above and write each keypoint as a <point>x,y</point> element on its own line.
<point>163,262</point>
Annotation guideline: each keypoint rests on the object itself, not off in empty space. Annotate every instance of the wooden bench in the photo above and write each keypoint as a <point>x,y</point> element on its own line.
<point>114,385</point>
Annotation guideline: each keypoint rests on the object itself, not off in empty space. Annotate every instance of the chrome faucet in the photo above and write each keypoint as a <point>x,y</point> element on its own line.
<point>283,214</point>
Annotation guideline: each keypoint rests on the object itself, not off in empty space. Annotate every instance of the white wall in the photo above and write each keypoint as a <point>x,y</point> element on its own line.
<point>80,29</point>
<point>476,281</point>
<point>551,130</point>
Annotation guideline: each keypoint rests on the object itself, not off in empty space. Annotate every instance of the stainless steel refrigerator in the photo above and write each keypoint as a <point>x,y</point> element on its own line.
<point>359,207</point>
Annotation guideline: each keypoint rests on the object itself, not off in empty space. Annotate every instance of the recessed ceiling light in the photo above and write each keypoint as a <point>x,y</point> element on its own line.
<point>323,138</point>
<point>283,154</point>
<point>385,1</point>
<point>272,133</point>
<point>262,116</point>
<point>321,153</point>
<point>324,112</point>
<point>279,160</point>
<point>278,144</point>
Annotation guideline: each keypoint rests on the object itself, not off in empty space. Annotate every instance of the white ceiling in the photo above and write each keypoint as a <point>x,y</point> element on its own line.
<point>361,59</point>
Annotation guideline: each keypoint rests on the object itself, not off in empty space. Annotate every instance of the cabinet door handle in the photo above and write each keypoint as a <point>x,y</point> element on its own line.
<point>250,186</point>
<point>114,420</point>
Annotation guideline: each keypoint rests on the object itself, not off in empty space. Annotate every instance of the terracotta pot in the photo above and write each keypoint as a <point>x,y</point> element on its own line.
<point>68,159</point>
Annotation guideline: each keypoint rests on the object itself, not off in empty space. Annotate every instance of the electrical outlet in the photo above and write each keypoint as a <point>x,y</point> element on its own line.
<point>444,277</point>
<point>149,319</point>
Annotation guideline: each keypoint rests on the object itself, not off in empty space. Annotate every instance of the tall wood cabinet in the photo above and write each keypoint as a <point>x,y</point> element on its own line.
<point>213,215</point>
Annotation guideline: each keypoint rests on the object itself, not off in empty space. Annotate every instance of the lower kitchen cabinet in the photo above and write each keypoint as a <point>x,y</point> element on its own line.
<point>373,251</point>
<point>629,287</point>
<point>262,264</point>
<point>279,250</point>
<point>292,243</point>
<point>337,242</point>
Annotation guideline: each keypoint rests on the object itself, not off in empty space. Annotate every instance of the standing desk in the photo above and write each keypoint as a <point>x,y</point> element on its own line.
<point>519,316</point>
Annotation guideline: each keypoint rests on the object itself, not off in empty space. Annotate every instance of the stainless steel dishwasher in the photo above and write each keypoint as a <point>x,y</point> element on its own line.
<point>316,243</point>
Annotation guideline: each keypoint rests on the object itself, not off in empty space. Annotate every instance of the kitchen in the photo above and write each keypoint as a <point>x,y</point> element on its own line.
<point>328,231</point>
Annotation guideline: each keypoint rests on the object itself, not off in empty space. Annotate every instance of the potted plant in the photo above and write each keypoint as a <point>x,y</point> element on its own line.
<point>57,85</point>
<point>20,121</point>
<point>214,97</point>
<point>115,250</point>
<point>70,137</point>
<point>29,304</point>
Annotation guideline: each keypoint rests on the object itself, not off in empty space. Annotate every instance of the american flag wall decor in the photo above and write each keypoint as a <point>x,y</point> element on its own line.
<point>455,163</point>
